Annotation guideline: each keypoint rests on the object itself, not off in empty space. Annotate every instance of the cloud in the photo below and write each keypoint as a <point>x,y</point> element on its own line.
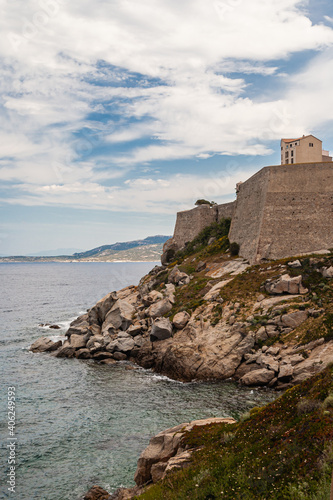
<point>145,194</point>
<point>93,90</point>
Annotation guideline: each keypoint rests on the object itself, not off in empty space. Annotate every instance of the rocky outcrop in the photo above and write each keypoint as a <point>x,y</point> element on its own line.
<point>97,493</point>
<point>161,329</point>
<point>44,344</point>
<point>165,451</point>
<point>285,284</point>
<point>180,320</point>
<point>217,338</point>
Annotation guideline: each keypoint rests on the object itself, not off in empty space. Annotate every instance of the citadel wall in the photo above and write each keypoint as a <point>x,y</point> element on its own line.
<point>284,211</point>
<point>189,223</point>
<point>281,211</point>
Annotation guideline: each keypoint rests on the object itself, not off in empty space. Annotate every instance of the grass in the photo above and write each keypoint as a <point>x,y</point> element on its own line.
<point>283,450</point>
<point>189,297</point>
<point>218,230</point>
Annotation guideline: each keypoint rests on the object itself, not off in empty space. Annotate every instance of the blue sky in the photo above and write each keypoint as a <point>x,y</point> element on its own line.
<point>116,114</point>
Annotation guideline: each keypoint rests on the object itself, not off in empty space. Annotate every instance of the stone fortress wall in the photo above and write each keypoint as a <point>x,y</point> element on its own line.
<point>281,211</point>
<point>190,223</point>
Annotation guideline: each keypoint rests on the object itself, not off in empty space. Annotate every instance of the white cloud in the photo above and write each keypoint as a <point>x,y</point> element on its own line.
<point>160,196</point>
<point>51,52</point>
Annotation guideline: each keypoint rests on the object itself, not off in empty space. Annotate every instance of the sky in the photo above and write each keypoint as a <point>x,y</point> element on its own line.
<point>116,114</point>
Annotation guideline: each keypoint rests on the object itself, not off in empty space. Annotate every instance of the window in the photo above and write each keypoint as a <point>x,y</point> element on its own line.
<point>281,148</point>
<point>292,160</point>
<point>291,153</point>
<point>287,161</point>
<point>310,144</point>
<point>287,154</point>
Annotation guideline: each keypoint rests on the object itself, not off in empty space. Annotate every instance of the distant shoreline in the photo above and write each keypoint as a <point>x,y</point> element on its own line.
<point>76,261</point>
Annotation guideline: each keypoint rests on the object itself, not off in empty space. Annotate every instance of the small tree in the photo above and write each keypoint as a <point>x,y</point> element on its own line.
<point>234,249</point>
<point>205,202</point>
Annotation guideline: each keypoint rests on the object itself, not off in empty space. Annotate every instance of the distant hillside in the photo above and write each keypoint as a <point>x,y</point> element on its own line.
<point>146,250</point>
<point>116,247</point>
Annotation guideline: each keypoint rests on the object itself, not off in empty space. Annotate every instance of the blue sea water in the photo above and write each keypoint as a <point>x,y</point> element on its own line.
<point>80,423</point>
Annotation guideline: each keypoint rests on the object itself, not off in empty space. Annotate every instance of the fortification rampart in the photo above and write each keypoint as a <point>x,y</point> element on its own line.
<point>283,211</point>
<point>189,223</point>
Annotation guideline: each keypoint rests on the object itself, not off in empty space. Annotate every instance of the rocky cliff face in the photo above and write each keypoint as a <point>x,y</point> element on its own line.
<point>210,316</point>
<point>214,319</point>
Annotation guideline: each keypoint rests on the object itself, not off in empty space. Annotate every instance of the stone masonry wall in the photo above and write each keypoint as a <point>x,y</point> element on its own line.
<point>190,222</point>
<point>284,211</point>
<point>226,211</point>
<point>247,220</point>
<point>298,212</point>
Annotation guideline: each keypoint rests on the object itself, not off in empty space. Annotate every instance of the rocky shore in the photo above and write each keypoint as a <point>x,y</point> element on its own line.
<point>209,318</point>
<point>179,324</point>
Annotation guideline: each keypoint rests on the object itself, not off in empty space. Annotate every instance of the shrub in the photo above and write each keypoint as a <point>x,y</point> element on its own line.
<point>216,230</point>
<point>204,202</point>
<point>234,249</point>
<point>328,403</point>
<point>307,406</point>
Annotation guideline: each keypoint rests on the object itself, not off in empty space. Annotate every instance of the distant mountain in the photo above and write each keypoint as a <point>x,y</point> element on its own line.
<point>116,247</point>
<point>146,250</point>
<point>54,253</point>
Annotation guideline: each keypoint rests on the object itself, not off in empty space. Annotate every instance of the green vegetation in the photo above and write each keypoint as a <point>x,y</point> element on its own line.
<point>281,451</point>
<point>218,231</point>
<point>205,202</point>
<point>189,297</point>
<point>234,249</point>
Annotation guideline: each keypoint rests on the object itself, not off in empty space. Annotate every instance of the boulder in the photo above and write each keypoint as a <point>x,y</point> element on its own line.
<point>98,313</point>
<point>79,326</point>
<point>285,284</point>
<point>45,344</point>
<point>135,330</point>
<point>327,272</point>
<point>180,320</point>
<point>161,329</point>
<point>93,341</point>
<point>78,341</point>
<point>159,308</point>
<point>271,331</point>
<point>170,248</point>
<point>261,334</point>
<point>294,319</point>
<point>269,362</point>
<point>273,350</point>
<point>164,446</point>
<point>98,356</point>
<point>97,493</point>
<point>201,266</point>
<point>125,344</point>
<point>295,264</point>
<point>119,356</point>
<point>83,354</point>
<point>177,277</point>
<point>214,292</point>
<point>65,352</point>
<point>286,372</point>
<point>121,344</point>
<point>119,317</point>
<point>258,377</point>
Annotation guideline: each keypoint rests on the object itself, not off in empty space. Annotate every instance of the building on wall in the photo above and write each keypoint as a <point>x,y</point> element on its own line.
<point>306,149</point>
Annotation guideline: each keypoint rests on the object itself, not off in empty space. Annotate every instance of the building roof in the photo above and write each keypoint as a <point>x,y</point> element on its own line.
<point>300,138</point>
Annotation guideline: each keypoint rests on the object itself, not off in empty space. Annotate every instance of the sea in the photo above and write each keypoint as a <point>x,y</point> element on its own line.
<point>77,423</point>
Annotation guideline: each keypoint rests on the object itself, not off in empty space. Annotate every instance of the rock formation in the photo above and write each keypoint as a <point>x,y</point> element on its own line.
<point>190,326</point>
